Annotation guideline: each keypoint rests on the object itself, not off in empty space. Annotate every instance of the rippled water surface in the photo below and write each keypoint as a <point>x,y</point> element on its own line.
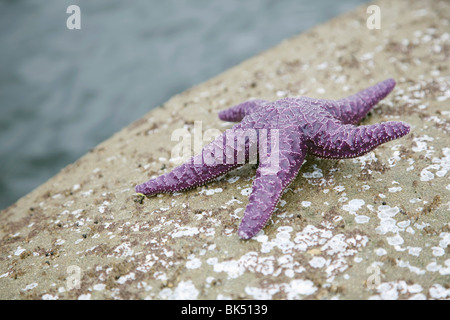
<point>64,91</point>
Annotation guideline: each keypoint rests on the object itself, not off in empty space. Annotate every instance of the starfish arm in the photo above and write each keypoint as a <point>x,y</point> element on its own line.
<point>339,141</point>
<point>353,109</point>
<point>272,177</point>
<point>227,152</point>
<point>238,112</point>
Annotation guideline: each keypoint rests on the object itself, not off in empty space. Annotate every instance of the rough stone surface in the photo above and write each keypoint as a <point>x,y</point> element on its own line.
<point>375,227</point>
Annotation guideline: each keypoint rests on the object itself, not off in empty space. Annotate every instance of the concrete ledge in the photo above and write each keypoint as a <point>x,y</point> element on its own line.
<point>373,227</point>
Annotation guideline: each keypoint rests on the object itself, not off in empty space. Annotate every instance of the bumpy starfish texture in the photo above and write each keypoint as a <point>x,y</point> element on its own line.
<point>284,132</point>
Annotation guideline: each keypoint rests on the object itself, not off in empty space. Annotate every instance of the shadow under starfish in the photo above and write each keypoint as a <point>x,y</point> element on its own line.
<point>280,134</point>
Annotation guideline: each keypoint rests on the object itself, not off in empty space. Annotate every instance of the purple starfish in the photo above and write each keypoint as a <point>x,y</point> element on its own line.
<point>282,133</point>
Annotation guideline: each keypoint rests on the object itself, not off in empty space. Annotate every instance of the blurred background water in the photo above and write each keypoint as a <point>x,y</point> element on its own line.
<point>63,91</point>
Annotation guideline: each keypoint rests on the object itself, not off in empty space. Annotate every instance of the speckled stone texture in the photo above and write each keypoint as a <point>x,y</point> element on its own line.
<point>290,128</point>
<point>372,227</point>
